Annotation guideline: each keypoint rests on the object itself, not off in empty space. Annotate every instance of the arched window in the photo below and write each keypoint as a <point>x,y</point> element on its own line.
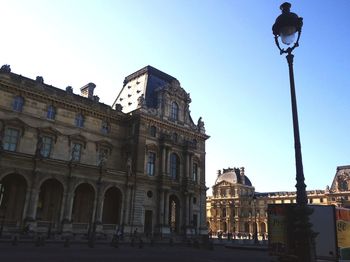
<point>18,102</point>
<point>174,111</point>
<point>79,120</point>
<point>174,166</point>
<point>51,113</point>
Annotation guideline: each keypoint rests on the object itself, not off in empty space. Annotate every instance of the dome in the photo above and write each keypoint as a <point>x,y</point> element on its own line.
<point>233,176</point>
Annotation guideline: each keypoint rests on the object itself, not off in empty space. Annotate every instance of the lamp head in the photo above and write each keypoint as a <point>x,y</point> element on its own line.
<point>287,25</point>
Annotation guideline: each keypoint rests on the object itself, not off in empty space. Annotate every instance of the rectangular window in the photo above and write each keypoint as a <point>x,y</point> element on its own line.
<point>76,152</point>
<point>51,113</point>
<point>195,172</point>
<point>46,146</point>
<point>102,156</point>
<point>11,137</point>
<point>151,164</point>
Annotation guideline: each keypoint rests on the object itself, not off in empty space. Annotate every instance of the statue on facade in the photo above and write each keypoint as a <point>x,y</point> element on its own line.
<point>327,189</point>
<point>5,69</point>
<point>200,125</point>
<point>141,101</point>
<point>39,79</point>
<point>75,152</point>
<point>69,90</point>
<point>118,107</point>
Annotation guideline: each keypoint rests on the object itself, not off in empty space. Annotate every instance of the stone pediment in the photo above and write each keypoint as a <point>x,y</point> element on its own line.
<point>14,122</point>
<point>175,89</point>
<point>341,181</point>
<point>103,143</point>
<point>48,131</point>
<point>77,138</point>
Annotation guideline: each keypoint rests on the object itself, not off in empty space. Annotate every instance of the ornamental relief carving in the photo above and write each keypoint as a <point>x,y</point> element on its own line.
<point>343,182</point>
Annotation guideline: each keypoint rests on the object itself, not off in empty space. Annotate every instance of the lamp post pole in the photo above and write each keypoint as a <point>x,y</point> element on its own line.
<point>285,27</point>
<point>256,241</point>
<point>300,185</point>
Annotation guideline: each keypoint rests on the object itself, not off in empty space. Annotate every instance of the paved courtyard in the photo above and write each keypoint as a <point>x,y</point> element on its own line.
<point>159,253</point>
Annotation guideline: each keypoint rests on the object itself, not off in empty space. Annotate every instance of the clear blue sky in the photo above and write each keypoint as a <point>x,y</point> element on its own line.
<point>223,54</point>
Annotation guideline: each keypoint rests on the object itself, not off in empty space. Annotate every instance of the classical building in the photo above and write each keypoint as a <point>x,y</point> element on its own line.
<point>236,208</point>
<point>70,164</point>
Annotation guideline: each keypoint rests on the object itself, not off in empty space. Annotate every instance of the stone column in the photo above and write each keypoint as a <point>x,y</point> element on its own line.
<point>187,210</point>
<point>189,167</point>
<point>167,166</point>
<point>31,203</point>
<point>127,209</point>
<point>63,205</point>
<point>163,161</point>
<point>97,211</point>
<point>166,208</point>
<point>187,222</point>
<point>161,206</point>
<point>100,202</point>
<point>190,211</point>
<point>202,216</point>
<point>67,213</point>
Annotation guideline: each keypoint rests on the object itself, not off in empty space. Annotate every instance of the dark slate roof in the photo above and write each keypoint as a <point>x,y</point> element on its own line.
<point>233,176</point>
<point>156,79</point>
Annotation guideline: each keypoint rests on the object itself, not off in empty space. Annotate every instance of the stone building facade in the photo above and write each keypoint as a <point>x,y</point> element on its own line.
<point>70,164</point>
<point>236,208</point>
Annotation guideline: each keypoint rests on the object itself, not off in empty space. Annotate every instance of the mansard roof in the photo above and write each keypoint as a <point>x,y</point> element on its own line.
<point>150,71</point>
<point>233,176</point>
<point>144,85</point>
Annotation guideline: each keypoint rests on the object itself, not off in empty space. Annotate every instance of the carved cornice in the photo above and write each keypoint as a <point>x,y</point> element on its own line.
<point>186,131</point>
<point>51,95</point>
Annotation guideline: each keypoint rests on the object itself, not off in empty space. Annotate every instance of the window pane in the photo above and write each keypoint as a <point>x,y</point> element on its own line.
<point>195,172</point>
<point>79,121</point>
<point>105,127</point>
<point>151,164</point>
<point>51,112</point>
<point>102,156</point>
<point>46,146</point>
<point>153,131</point>
<point>76,152</point>
<point>174,111</point>
<point>18,103</point>
<point>10,139</point>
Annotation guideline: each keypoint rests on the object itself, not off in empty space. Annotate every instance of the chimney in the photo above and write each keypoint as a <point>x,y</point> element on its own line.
<point>88,90</point>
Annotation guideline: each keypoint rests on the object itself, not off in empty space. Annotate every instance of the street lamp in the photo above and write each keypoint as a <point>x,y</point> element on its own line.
<point>287,28</point>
